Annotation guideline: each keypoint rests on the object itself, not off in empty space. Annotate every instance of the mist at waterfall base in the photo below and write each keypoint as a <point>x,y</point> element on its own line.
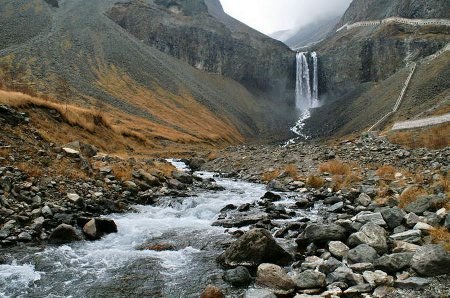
<point>306,89</point>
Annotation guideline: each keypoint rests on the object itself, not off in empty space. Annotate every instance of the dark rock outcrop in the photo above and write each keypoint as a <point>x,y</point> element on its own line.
<point>64,234</point>
<point>255,247</point>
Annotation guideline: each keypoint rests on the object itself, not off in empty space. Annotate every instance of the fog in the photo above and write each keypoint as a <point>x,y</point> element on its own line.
<point>268,16</point>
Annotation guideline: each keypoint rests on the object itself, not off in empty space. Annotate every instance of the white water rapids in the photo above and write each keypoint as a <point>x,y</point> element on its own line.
<point>113,267</point>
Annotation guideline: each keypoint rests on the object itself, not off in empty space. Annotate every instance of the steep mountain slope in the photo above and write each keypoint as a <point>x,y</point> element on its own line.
<point>362,70</point>
<point>76,54</point>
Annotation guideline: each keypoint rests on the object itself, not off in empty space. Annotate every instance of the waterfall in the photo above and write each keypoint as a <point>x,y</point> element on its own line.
<point>306,89</point>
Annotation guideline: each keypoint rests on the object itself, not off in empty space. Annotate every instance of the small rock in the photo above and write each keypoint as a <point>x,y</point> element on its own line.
<point>321,234</point>
<point>383,291</point>
<point>46,212</point>
<point>212,292</point>
<point>394,262</point>
<point>412,283</point>
<point>366,216</point>
<point>98,227</point>
<point>24,236</point>
<point>372,235</point>
<point>74,198</point>
<point>238,277</point>
<point>338,249</point>
<point>274,277</point>
<point>309,279</point>
<point>363,200</point>
<point>378,278</point>
<point>393,216</point>
<point>363,253</point>
<point>259,293</point>
<point>402,246</point>
<point>71,152</point>
<point>358,290</point>
<point>411,219</point>
<point>411,236</point>
<point>423,226</point>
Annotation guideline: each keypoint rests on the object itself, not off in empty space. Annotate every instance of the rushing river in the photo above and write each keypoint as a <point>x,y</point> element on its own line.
<point>115,267</point>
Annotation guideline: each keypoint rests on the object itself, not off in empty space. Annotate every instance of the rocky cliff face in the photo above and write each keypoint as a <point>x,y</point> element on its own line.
<point>362,70</point>
<point>361,10</point>
<point>202,35</point>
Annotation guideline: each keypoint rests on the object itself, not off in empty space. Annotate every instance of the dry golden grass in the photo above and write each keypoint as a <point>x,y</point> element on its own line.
<point>62,167</point>
<point>119,132</point>
<point>291,170</point>
<point>435,137</point>
<point>270,175</point>
<point>335,167</point>
<point>410,195</point>
<point>386,172</point>
<point>344,181</point>
<point>441,236</point>
<point>315,181</point>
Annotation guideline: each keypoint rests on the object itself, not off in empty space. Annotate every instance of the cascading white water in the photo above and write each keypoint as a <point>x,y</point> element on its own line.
<point>306,90</point>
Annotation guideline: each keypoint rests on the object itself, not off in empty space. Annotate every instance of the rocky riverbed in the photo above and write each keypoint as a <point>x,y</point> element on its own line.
<point>384,229</point>
<point>355,218</point>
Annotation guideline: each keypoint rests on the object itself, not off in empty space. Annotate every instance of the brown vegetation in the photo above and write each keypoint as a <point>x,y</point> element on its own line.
<point>291,170</point>
<point>315,181</point>
<point>441,236</point>
<point>270,175</point>
<point>435,137</point>
<point>62,167</point>
<point>386,172</point>
<point>335,167</point>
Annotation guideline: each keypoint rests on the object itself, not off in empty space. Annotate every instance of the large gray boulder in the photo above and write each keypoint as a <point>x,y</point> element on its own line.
<point>363,253</point>
<point>372,235</point>
<point>255,247</point>
<point>420,205</point>
<point>394,262</point>
<point>431,260</point>
<point>63,234</point>
<point>321,233</point>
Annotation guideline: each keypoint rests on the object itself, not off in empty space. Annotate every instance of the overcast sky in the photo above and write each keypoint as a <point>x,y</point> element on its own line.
<point>269,16</point>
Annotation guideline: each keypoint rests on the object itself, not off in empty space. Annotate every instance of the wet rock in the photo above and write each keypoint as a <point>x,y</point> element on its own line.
<point>411,236</point>
<point>63,234</point>
<point>363,253</point>
<point>336,207</point>
<point>394,262</point>
<point>24,236</point>
<point>338,249</point>
<point>238,277</point>
<point>309,279</point>
<point>98,227</point>
<point>412,283</point>
<point>157,247</point>
<point>393,216</point>
<point>321,234</point>
<point>276,186</point>
<point>212,292</point>
<point>420,205</point>
<point>255,247</point>
<point>431,260</point>
<point>372,235</point>
<point>275,278</point>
